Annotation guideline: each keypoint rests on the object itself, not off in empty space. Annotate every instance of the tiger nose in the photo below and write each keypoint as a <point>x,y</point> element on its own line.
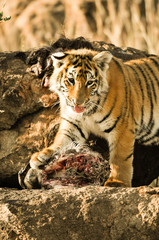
<point>78,101</point>
<point>79,95</point>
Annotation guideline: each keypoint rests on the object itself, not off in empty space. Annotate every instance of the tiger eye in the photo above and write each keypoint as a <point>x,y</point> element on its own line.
<point>90,83</point>
<point>71,81</point>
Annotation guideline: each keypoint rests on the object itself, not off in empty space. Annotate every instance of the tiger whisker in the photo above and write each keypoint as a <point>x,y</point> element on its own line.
<point>55,104</point>
<point>58,109</point>
<point>99,107</point>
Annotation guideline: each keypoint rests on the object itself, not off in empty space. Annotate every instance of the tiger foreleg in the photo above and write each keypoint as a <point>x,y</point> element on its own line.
<point>39,159</point>
<point>121,161</point>
<point>64,137</point>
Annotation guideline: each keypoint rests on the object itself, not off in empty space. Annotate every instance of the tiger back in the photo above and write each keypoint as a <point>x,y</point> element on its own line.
<point>102,95</point>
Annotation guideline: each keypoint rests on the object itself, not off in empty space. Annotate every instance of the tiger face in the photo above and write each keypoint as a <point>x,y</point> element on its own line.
<point>78,79</point>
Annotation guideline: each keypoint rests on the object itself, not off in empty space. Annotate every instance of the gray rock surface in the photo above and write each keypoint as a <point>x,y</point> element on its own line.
<point>95,213</point>
<point>27,119</point>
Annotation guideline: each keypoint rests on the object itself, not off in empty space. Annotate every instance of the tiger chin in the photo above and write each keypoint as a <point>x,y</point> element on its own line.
<point>101,94</point>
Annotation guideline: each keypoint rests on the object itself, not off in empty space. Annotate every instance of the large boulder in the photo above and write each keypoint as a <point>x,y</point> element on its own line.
<point>80,214</point>
<point>27,120</point>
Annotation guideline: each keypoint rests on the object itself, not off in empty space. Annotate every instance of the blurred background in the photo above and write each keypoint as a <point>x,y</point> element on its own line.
<point>35,23</point>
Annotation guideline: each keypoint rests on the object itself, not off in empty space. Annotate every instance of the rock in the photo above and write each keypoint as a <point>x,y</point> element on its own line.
<point>27,122</point>
<point>21,92</point>
<point>80,214</point>
<point>29,135</point>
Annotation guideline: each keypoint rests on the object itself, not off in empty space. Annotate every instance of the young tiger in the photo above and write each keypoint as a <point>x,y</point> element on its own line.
<point>101,94</point>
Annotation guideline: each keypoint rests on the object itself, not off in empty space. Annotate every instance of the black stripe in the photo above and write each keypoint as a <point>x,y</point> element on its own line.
<point>76,61</point>
<point>152,72</point>
<point>130,72</point>
<point>89,58</point>
<point>87,66</point>
<point>148,130</point>
<point>149,94</point>
<point>93,110</point>
<point>143,141</point>
<point>126,108</point>
<point>128,84</point>
<point>127,158</point>
<point>150,78</point>
<point>136,87</point>
<point>114,125</point>
<point>109,113</point>
<point>133,117</point>
<point>132,131</point>
<point>59,81</point>
<point>78,65</point>
<point>118,64</point>
<point>96,72</point>
<point>72,139</point>
<point>76,126</point>
<point>103,98</point>
<point>137,77</point>
<point>155,61</point>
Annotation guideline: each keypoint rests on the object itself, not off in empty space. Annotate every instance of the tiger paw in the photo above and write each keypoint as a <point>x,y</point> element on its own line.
<point>30,178</point>
<point>115,183</point>
<point>40,159</point>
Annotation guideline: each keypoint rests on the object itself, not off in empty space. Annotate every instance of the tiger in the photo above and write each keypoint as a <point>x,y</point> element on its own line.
<point>102,95</point>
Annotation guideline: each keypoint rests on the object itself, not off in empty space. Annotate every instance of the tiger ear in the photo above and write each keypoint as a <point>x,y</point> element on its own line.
<point>58,58</point>
<point>103,59</point>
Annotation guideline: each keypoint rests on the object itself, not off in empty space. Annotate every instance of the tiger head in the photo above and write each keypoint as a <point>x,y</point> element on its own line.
<point>80,78</point>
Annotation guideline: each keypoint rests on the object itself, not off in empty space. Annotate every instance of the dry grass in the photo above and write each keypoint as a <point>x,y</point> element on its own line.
<point>133,23</point>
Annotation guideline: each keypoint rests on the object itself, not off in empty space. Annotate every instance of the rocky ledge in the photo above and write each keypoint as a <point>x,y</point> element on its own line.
<point>80,213</point>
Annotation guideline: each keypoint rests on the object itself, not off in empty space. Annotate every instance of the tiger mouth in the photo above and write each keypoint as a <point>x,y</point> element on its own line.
<point>78,108</point>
